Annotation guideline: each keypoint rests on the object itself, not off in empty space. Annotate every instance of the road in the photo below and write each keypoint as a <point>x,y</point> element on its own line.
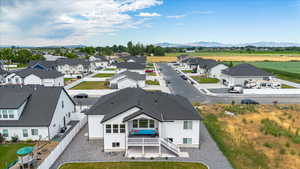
<point>184,88</point>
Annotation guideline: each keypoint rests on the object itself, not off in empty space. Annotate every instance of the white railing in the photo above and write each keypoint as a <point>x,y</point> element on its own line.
<point>143,141</point>
<point>59,149</point>
<point>171,146</point>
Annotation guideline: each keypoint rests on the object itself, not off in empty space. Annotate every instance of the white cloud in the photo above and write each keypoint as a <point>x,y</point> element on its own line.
<point>146,14</point>
<point>176,16</point>
<point>37,22</point>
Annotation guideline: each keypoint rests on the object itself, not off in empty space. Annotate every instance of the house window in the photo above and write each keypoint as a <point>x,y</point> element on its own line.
<point>151,123</point>
<point>5,132</point>
<point>135,124</point>
<point>11,114</point>
<point>187,140</point>
<point>122,128</point>
<point>4,112</point>
<point>62,104</point>
<point>143,123</point>
<point>187,125</point>
<point>69,114</point>
<point>25,133</point>
<point>108,128</point>
<point>116,144</point>
<point>34,132</point>
<point>115,128</point>
<point>0,114</point>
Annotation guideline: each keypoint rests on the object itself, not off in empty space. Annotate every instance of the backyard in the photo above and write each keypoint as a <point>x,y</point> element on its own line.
<point>8,152</point>
<point>257,136</point>
<point>102,75</point>
<point>152,82</point>
<point>201,79</point>
<point>134,165</point>
<point>91,85</point>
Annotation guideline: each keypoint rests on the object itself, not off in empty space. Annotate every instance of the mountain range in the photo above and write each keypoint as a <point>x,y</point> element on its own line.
<point>217,44</point>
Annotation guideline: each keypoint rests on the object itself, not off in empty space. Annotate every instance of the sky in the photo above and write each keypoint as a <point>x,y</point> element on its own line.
<point>108,22</point>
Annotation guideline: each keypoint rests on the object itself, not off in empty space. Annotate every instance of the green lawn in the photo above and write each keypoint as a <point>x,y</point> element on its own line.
<point>284,86</point>
<point>8,153</point>
<point>201,79</point>
<point>66,80</point>
<point>104,75</point>
<point>90,85</point>
<point>187,71</point>
<point>152,82</point>
<point>134,165</point>
<point>110,69</point>
<point>151,74</point>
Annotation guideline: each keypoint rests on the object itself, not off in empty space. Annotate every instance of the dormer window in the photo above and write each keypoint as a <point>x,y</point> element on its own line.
<point>4,114</point>
<point>11,114</point>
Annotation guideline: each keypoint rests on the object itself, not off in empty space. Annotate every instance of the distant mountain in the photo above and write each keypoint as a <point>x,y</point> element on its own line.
<point>217,44</point>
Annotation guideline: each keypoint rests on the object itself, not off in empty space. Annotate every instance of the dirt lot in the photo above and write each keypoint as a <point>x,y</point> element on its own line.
<point>264,136</point>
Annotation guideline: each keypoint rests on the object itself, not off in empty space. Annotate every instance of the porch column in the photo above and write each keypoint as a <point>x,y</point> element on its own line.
<point>126,138</point>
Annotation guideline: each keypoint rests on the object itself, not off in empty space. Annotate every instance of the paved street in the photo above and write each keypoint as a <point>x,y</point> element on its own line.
<point>184,88</point>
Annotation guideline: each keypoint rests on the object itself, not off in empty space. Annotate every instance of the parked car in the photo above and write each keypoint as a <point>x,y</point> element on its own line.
<point>183,77</point>
<point>81,96</point>
<point>236,89</point>
<point>249,101</point>
<point>148,71</point>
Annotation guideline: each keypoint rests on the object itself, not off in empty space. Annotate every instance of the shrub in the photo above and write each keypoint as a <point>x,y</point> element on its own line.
<point>268,145</point>
<point>29,140</point>
<point>287,144</point>
<point>241,109</point>
<point>14,139</point>
<point>282,151</point>
<point>152,158</point>
<point>2,138</point>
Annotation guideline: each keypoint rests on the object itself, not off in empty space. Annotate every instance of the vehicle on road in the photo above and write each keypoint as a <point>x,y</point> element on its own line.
<point>81,96</point>
<point>249,101</point>
<point>236,89</point>
<point>183,77</point>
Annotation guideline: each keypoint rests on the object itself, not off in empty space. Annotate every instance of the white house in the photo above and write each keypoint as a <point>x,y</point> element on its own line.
<point>240,74</point>
<point>99,61</point>
<point>210,68</point>
<point>127,79</point>
<point>34,112</point>
<point>35,77</point>
<point>144,124</point>
<point>131,66</point>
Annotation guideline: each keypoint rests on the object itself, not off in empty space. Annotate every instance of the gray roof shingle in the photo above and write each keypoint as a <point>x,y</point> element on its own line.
<point>130,75</point>
<point>245,70</point>
<point>161,106</point>
<point>40,107</point>
<point>43,74</point>
<point>131,65</point>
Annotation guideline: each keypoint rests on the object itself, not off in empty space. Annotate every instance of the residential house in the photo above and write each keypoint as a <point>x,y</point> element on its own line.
<point>32,76</point>
<point>34,112</point>
<point>210,68</point>
<point>131,66</point>
<point>240,74</point>
<point>99,61</point>
<point>141,122</point>
<point>53,57</point>
<point>3,73</point>
<point>127,79</point>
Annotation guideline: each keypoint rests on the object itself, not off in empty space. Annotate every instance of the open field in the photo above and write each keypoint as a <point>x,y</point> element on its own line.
<point>8,153</point>
<point>134,165</point>
<point>101,75</point>
<point>91,85</point>
<point>258,136</point>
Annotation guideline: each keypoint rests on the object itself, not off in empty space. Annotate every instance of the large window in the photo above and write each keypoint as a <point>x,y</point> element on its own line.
<point>187,140</point>
<point>108,128</point>
<point>135,124</point>
<point>122,128</point>
<point>115,144</point>
<point>5,132</point>
<point>187,125</point>
<point>11,114</point>
<point>151,123</point>
<point>143,123</point>
<point>25,133</point>
<point>4,113</point>
<point>115,128</point>
<point>34,132</point>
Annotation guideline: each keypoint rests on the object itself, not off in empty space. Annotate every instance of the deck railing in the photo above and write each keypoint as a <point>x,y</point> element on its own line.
<point>143,141</point>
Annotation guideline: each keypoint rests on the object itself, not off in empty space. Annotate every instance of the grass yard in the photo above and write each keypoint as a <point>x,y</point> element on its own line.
<point>284,86</point>
<point>91,85</point>
<point>259,136</point>
<point>134,165</point>
<point>68,80</point>
<point>187,71</point>
<point>152,82</point>
<point>8,153</point>
<point>101,75</point>
<point>201,79</point>
<point>151,74</point>
<point>110,69</point>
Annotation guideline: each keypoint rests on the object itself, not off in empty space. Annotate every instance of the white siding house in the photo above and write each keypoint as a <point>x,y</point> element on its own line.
<point>131,119</point>
<point>127,79</point>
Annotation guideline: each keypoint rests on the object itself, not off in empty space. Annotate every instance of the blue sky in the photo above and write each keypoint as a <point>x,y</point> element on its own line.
<point>107,22</point>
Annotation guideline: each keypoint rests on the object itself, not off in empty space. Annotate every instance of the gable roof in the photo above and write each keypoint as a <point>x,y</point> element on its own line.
<point>159,105</point>
<point>130,65</point>
<point>245,70</point>
<point>102,58</point>
<point>130,75</point>
<point>40,107</point>
<point>13,100</point>
<point>43,74</point>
